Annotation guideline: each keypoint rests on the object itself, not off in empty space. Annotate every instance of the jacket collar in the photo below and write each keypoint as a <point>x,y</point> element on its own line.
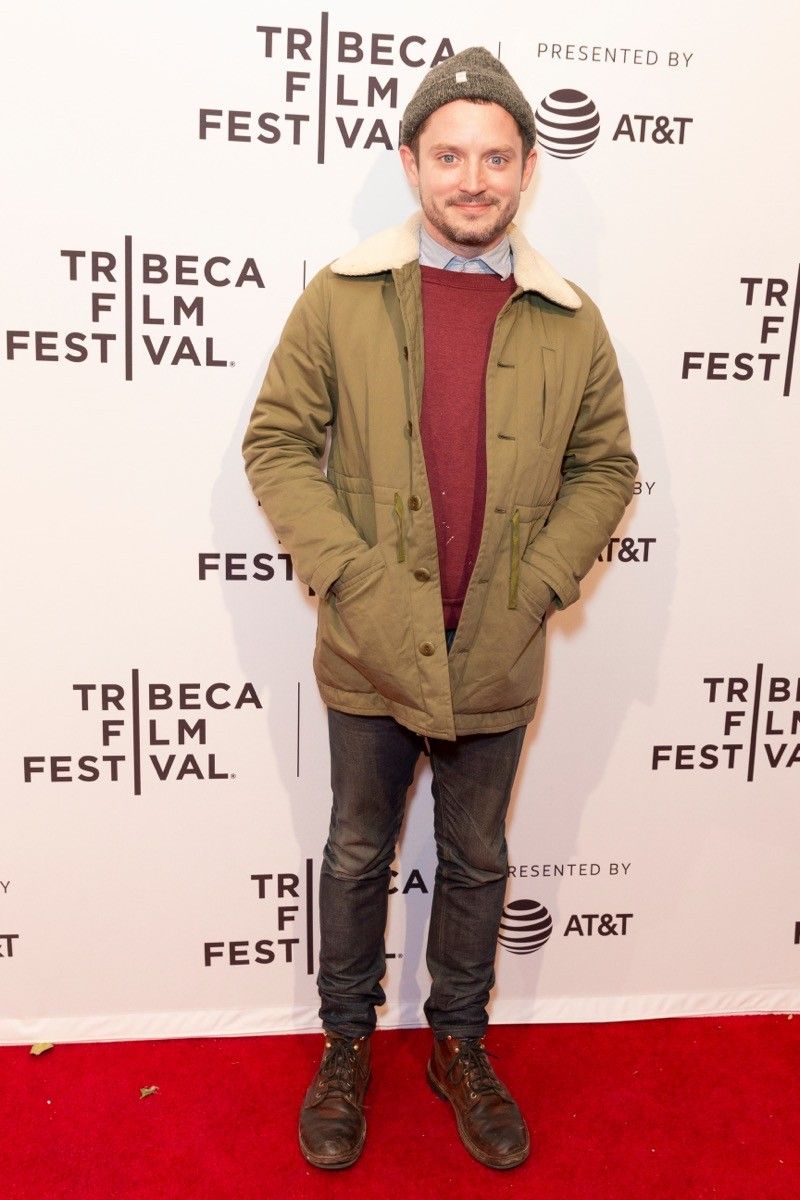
<point>396,247</point>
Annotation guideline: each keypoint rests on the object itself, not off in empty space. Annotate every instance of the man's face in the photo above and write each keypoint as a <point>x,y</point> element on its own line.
<point>470,173</point>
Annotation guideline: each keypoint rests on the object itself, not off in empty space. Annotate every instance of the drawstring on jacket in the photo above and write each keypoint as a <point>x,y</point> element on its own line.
<point>399,512</point>
<point>513,576</point>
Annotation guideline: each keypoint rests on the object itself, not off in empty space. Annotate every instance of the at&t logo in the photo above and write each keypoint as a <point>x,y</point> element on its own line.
<point>525,927</point>
<point>568,124</point>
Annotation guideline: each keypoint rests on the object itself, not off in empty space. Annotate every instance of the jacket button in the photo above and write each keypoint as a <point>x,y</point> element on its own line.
<point>422,574</point>
<point>414,503</point>
<point>426,648</point>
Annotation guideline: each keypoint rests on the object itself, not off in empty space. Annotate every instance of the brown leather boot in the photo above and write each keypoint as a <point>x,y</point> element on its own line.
<point>332,1125</point>
<point>490,1124</point>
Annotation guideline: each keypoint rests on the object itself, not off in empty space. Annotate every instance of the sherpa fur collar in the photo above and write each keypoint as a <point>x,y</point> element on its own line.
<point>395,247</point>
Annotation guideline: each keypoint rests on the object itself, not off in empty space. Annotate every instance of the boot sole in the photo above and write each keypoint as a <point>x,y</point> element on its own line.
<point>512,1161</point>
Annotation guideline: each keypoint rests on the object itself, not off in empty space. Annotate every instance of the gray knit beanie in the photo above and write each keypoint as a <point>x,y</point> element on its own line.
<point>474,74</point>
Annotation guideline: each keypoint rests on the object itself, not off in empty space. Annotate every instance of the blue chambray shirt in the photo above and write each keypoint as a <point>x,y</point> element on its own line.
<point>498,261</point>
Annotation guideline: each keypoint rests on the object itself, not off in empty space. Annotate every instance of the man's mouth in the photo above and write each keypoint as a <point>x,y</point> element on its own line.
<point>471,203</point>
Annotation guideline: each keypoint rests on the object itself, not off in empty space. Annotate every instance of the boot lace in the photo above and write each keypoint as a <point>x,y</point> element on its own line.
<point>473,1058</point>
<point>337,1073</point>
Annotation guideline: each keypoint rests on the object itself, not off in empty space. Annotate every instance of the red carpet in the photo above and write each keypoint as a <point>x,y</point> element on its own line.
<point>688,1109</point>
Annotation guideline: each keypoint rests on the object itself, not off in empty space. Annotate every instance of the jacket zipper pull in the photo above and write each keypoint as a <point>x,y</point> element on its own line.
<point>399,512</point>
<point>513,578</point>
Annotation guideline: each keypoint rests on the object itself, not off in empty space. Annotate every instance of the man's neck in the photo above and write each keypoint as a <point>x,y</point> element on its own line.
<point>435,253</point>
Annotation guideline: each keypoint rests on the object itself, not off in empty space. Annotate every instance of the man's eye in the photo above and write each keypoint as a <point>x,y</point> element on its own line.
<point>448,158</point>
<point>497,160</point>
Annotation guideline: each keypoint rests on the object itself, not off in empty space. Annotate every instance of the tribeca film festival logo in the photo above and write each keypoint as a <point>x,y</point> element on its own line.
<point>150,302</point>
<point>320,88</point>
<point>290,900</point>
<point>526,926</point>
<point>288,897</point>
<point>778,311</point>
<point>144,734</point>
<point>760,722</point>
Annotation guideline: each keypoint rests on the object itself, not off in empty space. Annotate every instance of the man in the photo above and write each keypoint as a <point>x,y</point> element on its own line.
<point>479,461</point>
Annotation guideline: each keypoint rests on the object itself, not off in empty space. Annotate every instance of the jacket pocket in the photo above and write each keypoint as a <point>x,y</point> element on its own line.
<point>357,572</point>
<point>364,641</point>
<point>503,667</point>
<point>534,594</point>
<point>516,562</point>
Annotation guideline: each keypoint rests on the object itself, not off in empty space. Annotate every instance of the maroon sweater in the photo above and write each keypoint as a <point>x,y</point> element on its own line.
<point>459,313</point>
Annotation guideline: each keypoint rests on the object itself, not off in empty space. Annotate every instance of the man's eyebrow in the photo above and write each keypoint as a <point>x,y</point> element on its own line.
<point>449,148</point>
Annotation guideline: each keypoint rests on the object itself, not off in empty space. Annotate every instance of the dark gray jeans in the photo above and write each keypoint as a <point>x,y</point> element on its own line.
<point>372,766</point>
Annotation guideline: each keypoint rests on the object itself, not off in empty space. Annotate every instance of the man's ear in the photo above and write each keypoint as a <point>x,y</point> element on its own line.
<point>527,169</point>
<point>409,165</point>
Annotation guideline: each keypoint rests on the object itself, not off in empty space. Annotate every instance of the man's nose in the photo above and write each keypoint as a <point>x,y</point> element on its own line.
<point>472,177</point>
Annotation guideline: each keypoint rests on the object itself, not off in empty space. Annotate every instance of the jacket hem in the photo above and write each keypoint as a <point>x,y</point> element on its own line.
<point>499,722</point>
<point>372,705</point>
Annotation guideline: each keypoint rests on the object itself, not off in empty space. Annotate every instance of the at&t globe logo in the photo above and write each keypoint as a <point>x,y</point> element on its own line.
<point>525,926</point>
<point>567,123</point>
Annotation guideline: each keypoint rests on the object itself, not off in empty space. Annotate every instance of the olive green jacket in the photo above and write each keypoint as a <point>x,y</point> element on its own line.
<point>559,474</point>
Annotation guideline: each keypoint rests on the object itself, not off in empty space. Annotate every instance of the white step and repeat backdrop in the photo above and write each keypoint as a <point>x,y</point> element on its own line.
<point>172,176</point>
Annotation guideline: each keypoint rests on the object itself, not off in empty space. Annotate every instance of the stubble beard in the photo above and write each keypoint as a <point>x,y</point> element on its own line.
<point>470,232</point>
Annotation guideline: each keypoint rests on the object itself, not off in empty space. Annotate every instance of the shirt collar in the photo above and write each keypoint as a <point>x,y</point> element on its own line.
<point>497,261</point>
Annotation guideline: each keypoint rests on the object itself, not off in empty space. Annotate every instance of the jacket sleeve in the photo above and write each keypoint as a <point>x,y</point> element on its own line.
<point>286,439</point>
<point>598,473</point>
